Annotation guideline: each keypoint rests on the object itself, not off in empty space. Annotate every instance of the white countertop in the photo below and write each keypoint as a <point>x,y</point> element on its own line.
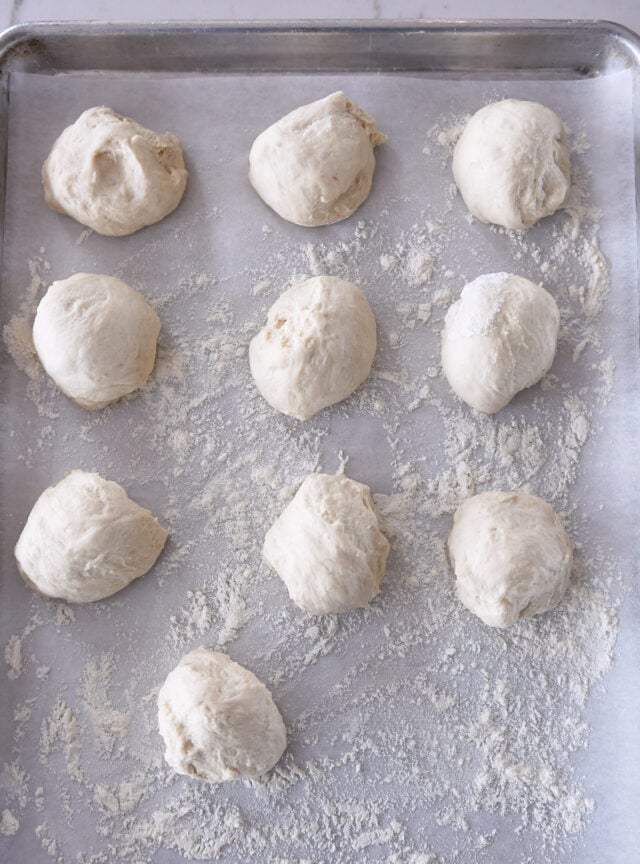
<point>625,12</point>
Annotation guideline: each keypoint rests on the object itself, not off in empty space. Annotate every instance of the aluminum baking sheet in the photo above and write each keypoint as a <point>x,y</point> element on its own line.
<point>415,734</point>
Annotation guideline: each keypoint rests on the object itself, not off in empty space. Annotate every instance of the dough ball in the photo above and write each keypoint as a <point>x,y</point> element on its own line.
<point>316,348</point>
<point>511,163</point>
<point>96,337</point>
<point>217,720</point>
<point>113,175</point>
<point>315,165</point>
<point>511,556</point>
<point>85,539</point>
<point>327,546</point>
<point>498,338</point>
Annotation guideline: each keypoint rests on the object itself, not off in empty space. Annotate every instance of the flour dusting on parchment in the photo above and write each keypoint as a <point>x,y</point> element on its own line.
<point>424,737</point>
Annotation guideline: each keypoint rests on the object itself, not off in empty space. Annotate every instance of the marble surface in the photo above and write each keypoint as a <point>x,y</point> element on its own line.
<point>625,12</point>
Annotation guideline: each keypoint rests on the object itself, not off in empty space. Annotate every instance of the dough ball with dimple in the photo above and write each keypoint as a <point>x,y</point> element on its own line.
<point>113,175</point>
<point>327,545</point>
<point>512,164</point>
<point>85,539</point>
<point>96,337</point>
<point>498,338</point>
<point>511,556</point>
<point>315,165</point>
<point>316,348</point>
<point>218,721</point>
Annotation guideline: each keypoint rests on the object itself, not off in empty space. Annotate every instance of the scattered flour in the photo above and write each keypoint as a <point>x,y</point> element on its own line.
<point>194,619</point>
<point>61,730</point>
<point>13,649</point>
<point>17,332</point>
<point>418,268</point>
<point>109,723</point>
<point>13,656</point>
<point>8,823</point>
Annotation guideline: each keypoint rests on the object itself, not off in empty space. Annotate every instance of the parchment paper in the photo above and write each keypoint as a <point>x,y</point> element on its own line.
<point>204,262</point>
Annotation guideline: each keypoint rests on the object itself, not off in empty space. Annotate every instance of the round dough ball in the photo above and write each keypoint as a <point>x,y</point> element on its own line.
<point>96,337</point>
<point>498,338</point>
<point>315,165</point>
<point>316,348</point>
<point>85,539</point>
<point>218,720</point>
<point>327,546</point>
<point>511,163</point>
<point>113,175</point>
<point>511,556</point>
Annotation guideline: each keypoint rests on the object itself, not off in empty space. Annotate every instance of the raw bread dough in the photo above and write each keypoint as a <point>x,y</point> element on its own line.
<point>315,165</point>
<point>316,348</point>
<point>85,539</point>
<point>511,556</point>
<point>327,546</point>
<point>498,338</point>
<point>218,720</point>
<point>511,163</point>
<point>113,175</point>
<point>96,337</point>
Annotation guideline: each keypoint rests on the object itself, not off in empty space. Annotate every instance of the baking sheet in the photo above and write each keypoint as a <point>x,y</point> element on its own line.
<point>416,734</point>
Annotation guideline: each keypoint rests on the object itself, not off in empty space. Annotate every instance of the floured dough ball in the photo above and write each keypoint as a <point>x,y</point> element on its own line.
<point>315,165</point>
<point>96,337</point>
<point>85,539</point>
<point>218,720</point>
<point>511,556</point>
<point>327,546</point>
<point>113,175</point>
<point>511,163</point>
<point>498,338</point>
<point>316,348</point>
